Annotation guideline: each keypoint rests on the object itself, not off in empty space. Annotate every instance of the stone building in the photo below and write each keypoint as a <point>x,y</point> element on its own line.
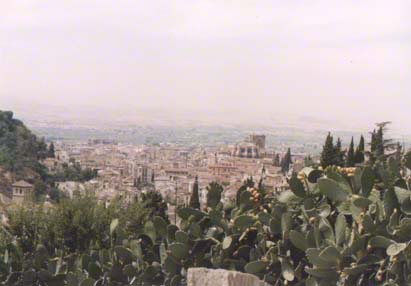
<point>246,150</point>
<point>144,173</point>
<point>251,147</point>
<point>222,169</point>
<point>22,191</point>
<point>258,140</point>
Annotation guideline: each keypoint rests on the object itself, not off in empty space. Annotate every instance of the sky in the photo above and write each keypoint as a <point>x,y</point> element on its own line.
<point>321,59</point>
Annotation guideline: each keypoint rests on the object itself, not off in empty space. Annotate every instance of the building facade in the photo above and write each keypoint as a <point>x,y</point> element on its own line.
<point>22,192</point>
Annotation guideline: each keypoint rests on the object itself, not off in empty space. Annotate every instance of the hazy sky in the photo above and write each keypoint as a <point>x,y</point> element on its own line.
<point>351,59</point>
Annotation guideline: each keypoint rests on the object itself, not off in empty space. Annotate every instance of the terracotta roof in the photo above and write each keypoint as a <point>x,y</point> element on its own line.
<point>22,184</point>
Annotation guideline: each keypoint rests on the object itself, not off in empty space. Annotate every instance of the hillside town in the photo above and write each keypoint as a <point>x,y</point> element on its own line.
<point>125,170</point>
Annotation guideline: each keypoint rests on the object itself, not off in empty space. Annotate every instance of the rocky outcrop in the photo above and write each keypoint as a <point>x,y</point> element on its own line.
<point>220,277</point>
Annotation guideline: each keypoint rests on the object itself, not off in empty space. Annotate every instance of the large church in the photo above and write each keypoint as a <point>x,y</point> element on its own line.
<point>252,147</point>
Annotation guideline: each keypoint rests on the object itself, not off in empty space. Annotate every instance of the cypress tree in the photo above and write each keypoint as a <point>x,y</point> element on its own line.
<point>350,155</point>
<point>327,154</point>
<point>285,163</point>
<point>339,154</point>
<point>361,145</point>
<point>379,151</point>
<point>195,199</point>
<point>359,152</point>
<point>51,153</point>
<point>373,144</point>
<point>379,144</point>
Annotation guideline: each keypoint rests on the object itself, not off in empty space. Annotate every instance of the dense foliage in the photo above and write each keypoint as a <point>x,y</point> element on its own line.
<point>334,155</point>
<point>74,172</point>
<point>21,153</point>
<point>20,150</point>
<point>38,238</point>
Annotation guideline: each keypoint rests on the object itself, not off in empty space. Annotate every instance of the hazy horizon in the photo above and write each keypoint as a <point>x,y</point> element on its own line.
<point>346,63</point>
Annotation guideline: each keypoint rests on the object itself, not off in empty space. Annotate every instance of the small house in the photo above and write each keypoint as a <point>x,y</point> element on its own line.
<point>22,191</point>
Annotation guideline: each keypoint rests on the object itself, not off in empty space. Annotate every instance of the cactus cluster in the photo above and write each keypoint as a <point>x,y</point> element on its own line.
<point>334,226</point>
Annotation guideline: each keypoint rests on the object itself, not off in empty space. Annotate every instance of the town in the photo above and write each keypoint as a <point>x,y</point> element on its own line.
<point>125,170</point>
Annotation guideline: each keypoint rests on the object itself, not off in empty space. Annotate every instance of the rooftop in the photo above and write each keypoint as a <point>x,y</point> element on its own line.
<point>22,184</point>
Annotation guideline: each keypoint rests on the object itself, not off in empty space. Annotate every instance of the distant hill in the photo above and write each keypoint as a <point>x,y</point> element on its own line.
<point>20,149</point>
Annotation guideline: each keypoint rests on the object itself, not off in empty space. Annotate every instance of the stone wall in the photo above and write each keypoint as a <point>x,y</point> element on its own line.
<point>220,277</point>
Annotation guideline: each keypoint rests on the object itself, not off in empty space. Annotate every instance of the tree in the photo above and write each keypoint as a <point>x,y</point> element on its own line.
<point>339,154</point>
<point>286,161</point>
<point>327,154</point>
<point>40,189</point>
<point>379,142</point>
<point>350,162</point>
<point>373,142</point>
<point>20,150</point>
<point>75,173</point>
<point>373,146</point>
<point>87,174</point>
<point>55,194</point>
<point>359,152</point>
<point>42,149</point>
<point>194,199</point>
<point>381,148</point>
<point>51,153</point>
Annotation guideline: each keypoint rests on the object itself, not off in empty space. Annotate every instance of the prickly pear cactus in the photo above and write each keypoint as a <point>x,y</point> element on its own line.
<point>338,226</point>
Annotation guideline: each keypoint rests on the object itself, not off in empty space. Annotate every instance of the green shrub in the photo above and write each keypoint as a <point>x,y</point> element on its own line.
<point>338,226</point>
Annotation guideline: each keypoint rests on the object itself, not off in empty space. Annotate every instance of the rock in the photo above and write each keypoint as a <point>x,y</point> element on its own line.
<point>220,277</point>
